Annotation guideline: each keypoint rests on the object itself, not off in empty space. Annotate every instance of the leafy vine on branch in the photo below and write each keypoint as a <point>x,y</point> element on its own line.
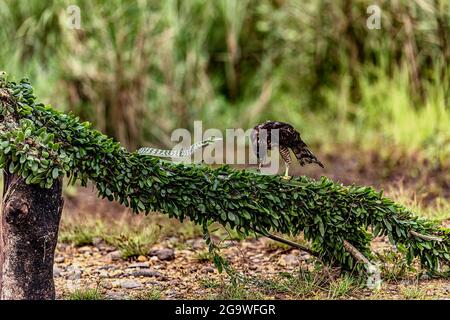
<point>41,144</point>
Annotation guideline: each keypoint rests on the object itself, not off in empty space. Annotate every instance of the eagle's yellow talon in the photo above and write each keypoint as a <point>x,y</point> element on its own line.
<point>286,173</point>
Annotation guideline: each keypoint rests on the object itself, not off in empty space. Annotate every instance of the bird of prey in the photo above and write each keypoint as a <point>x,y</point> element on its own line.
<point>286,138</point>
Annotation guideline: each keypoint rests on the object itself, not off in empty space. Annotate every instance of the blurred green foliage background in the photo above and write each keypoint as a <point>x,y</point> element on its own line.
<point>139,69</point>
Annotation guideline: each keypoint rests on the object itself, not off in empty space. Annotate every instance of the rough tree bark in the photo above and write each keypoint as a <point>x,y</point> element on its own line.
<point>29,225</point>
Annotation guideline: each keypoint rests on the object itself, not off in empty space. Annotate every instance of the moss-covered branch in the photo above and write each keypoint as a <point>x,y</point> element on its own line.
<point>40,144</point>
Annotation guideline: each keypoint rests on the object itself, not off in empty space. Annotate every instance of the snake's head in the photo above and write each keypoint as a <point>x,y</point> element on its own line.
<point>213,139</point>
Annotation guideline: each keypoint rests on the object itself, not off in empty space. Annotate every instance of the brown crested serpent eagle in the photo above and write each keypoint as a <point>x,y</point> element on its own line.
<point>286,138</point>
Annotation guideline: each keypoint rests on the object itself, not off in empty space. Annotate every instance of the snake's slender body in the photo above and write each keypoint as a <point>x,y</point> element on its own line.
<point>181,153</point>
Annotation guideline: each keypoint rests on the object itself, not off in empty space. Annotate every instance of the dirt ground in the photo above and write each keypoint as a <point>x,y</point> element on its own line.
<point>188,277</point>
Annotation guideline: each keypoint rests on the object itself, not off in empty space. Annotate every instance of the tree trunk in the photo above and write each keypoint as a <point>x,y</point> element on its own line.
<point>29,226</point>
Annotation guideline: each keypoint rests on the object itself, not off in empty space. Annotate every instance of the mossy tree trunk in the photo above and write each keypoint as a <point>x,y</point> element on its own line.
<point>29,225</point>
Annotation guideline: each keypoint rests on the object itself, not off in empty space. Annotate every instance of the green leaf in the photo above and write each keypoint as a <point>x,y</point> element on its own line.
<point>218,263</point>
<point>55,173</point>
<point>11,167</point>
<point>387,224</point>
<point>321,228</point>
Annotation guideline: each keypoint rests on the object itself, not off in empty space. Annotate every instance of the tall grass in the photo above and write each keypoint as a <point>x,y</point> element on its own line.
<point>387,117</point>
<point>139,69</point>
